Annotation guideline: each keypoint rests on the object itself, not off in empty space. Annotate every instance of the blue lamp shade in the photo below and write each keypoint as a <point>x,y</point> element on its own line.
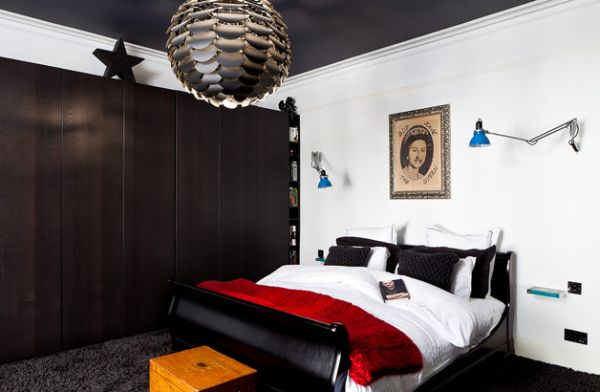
<point>479,138</point>
<point>324,181</point>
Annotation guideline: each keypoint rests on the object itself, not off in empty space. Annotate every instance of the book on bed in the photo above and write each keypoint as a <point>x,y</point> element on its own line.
<point>393,289</point>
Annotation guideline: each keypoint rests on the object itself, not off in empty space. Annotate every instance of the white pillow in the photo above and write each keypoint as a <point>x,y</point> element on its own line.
<point>378,258</point>
<point>440,237</point>
<point>383,234</point>
<point>410,233</point>
<point>461,277</point>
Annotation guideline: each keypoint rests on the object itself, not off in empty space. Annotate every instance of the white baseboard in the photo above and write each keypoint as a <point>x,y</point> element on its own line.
<point>568,354</point>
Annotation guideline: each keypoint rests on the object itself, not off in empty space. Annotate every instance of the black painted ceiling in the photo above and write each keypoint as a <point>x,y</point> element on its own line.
<point>321,31</point>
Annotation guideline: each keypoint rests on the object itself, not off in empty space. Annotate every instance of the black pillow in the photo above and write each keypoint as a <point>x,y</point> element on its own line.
<point>359,241</point>
<point>348,256</point>
<point>435,269</point>
<point>481,271</point>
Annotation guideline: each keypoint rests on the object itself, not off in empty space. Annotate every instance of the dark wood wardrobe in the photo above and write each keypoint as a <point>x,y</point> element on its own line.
<point>109,188</point>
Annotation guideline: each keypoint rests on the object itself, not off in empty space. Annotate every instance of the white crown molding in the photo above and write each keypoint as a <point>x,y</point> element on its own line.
<point>84,38</point>
<point>456,32</point>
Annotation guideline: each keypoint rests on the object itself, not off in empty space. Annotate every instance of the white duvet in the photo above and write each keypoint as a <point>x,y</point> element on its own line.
<point>442,325</point>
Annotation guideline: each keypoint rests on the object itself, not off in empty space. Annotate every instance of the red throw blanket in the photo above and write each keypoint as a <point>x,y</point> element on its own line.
<point>376,348</point>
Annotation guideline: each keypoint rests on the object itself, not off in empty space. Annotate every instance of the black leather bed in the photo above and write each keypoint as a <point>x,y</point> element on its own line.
<point>292,353</point>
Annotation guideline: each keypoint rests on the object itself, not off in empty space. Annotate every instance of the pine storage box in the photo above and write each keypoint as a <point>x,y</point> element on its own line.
<point>200,369</point>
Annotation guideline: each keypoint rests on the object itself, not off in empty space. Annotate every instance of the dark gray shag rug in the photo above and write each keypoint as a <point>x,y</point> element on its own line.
<point>121,365</point>
<point>517,374</point>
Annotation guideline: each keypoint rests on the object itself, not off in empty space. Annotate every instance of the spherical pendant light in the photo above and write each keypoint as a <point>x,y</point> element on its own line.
<point>229,52</point>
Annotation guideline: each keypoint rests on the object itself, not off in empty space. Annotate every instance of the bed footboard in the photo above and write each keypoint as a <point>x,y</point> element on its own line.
<point>291,353</point>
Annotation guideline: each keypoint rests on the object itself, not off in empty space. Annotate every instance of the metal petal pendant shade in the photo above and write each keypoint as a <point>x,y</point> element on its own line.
<point>229,52</point>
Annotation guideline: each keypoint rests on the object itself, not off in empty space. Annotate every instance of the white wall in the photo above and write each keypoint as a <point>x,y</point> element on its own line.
<point>523,71</point>
<point>40,42</point>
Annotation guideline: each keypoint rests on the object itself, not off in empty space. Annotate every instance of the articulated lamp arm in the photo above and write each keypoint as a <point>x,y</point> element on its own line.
<point>571,124</point>
<point>315,163</point>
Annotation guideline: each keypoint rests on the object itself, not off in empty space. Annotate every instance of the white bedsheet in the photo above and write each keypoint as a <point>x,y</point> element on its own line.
<point>442,325</point>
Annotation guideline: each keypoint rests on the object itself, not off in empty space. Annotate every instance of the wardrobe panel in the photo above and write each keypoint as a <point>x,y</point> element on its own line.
<point>254,192</point>
<point>271,228</point>
<point>30,125</point>
<point>197,206</point>
<point>142,184</point>
<point>92,204</point>
<point>149,205</point>
<point>239,190</point>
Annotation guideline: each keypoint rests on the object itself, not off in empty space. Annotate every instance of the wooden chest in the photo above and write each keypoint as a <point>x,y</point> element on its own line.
<point>200,369</point>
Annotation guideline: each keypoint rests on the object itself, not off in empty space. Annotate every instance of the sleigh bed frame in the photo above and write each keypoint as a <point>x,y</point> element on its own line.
<point>294,354</point>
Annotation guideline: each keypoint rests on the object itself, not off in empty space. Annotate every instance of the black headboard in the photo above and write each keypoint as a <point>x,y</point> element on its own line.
<point>501,277</point>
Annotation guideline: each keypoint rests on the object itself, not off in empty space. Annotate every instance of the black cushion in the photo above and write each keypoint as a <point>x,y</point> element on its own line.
<point>481,271</point>
<point>348,256</point>
<point>435,269</point>
<point>359,241</point>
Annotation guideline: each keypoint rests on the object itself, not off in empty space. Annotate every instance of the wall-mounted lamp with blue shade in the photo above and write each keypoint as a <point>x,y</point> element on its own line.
<point>316,164</point>
<point>480,138</point>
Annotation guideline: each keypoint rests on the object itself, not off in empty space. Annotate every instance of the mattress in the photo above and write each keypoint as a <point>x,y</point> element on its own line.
<point>442,325</point>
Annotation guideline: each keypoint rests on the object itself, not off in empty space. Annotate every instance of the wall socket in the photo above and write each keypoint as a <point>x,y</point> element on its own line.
<point>576,336</point>
<point>574,288</point>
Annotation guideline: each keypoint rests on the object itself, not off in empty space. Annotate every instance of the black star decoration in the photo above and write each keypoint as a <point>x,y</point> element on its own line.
<point>118,62</point>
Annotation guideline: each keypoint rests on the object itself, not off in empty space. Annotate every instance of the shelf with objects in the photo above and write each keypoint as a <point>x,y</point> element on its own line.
<point>289,106</point>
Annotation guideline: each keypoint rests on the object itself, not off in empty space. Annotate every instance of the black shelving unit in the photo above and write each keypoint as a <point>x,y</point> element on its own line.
<point>294,179</point>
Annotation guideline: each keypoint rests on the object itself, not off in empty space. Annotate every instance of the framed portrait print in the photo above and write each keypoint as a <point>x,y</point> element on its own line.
<point>420,154</point>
